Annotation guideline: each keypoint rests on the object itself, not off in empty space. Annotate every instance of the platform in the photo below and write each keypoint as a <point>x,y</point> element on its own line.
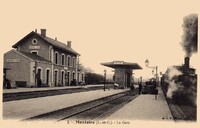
<point>23,109</point>
<point>145,107</point>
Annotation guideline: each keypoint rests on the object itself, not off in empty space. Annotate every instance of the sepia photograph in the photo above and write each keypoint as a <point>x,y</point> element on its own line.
<point>114,63</point>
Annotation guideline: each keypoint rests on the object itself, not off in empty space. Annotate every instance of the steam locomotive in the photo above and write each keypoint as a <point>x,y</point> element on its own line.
<point>185,91</point>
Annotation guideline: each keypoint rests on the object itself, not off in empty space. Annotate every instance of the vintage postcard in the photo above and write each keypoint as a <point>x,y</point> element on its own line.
<point>99,63</point>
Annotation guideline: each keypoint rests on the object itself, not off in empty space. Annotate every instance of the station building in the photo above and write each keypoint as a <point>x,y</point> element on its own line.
<point>123,72</point>
<point>38,60</point>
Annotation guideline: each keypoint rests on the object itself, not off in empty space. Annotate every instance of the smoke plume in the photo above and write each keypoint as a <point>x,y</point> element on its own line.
<point>190,34</point>
<point>172,75</point>
<point>172,88</point>
<point>173,72</point>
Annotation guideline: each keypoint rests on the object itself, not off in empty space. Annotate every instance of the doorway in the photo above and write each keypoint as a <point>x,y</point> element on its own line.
<point>56,77</point>
<point>38,76</point>
<point>62,78</point>
<point>47,76</point>
<point>68,78</point>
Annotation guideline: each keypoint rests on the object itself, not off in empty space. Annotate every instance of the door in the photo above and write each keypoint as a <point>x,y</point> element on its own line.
<point>62,78</point>
<point>56,78</point>
<point>39,81</point>
<point>47,77</point>
<point>68,78</point>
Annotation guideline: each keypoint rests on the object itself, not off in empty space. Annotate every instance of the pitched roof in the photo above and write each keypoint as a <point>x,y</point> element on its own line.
<point>34,56</point>
<point>53,42</point>
<point>29,56</point>
<point>122,64</point>
<point>59,45</point>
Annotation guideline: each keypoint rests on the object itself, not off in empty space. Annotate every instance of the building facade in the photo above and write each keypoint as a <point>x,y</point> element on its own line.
<point>38,60</point>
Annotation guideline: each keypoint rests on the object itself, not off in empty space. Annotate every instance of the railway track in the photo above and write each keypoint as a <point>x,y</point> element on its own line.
<point>96,109</point>
<point>177,113</point>
<point>35,94</point>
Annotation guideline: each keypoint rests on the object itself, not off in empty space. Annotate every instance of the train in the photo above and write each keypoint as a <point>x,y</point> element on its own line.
<point>182,85</point>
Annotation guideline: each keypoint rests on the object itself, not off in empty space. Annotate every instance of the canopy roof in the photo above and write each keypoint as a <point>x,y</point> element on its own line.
<point>122,64</point>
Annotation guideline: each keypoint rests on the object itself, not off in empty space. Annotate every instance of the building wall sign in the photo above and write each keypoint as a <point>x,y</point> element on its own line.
<point>118,62</point>
<point>65,68</point>
<point>34,47</point>
<point>13,60</point>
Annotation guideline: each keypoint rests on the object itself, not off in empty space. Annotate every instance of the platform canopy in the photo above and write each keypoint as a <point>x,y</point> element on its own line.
<point>122,64</point>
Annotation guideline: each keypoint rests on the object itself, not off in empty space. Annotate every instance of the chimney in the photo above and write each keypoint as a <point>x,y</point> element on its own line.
<point>187,64</point>
<point>43,32</point>
<point>69,44</point>
<point>35,30</point>
<point>55,38</point>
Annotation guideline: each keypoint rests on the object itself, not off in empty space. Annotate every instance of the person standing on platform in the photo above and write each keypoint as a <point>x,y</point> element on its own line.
<point>132,87</point>
<point>140,88</point>
<point>8,85</point>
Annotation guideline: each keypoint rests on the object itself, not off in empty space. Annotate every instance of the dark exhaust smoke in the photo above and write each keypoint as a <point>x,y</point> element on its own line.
<point>190,34</point>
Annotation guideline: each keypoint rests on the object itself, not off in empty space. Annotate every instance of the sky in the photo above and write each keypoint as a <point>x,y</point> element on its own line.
<point>104,30</point>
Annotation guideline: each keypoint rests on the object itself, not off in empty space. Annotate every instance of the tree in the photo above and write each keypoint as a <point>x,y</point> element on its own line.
<point>90,76</point>
<point>93,78</point>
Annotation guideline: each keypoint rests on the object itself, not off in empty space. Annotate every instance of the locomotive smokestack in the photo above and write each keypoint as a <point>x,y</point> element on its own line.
<point>187,64</point>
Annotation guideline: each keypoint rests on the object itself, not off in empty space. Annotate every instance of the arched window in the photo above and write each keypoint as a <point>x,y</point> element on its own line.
<point>73,75</point>
<point>39,76</point>
<point>78,77</point>
<point>62,78</point>
<point>56,57</point>
<point>68,60</point>
<point>63,59</point>
<point>47,76</point>
<point>56,77</point>
<point>74,62</point>
<point>34,52</point>
<point>51,54</point>
<point>68,78</point>
<point>39,72</point>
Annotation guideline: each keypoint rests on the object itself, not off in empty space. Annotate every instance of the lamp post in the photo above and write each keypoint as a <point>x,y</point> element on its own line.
<point>104,80</point>
<point>154,67</point>
<point>141,79</point>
